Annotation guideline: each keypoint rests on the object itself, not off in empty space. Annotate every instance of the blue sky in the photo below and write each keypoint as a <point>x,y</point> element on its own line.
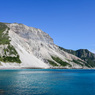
<point>71,23</point>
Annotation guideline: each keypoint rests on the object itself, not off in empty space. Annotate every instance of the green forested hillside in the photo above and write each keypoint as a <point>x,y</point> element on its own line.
<point>84,54</point>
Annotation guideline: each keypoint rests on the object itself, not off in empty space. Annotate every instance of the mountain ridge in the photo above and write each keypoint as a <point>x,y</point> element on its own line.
<point>84,54</point>
<point>36,48</point>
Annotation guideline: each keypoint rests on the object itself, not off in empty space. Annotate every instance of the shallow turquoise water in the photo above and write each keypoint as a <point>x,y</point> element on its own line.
<point>47,82</point>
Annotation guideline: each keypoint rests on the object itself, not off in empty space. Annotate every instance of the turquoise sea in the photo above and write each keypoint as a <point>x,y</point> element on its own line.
<point>47,82</point>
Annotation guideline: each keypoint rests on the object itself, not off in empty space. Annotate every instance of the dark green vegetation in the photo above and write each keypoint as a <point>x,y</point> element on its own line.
<point>77,62</point>
<point>10,54</point>
<point>52,63</point>
<point>7,56</point>
<point>4,39</point>
<point>84,54</point>
<point>10,59</point>
<point>58,60</point>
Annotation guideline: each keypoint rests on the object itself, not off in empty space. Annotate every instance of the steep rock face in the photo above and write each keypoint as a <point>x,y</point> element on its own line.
<point>36,48</point>
<point>30,33</point>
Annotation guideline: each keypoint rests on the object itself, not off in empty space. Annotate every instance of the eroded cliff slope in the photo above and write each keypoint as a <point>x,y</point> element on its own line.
<point>31,47</point>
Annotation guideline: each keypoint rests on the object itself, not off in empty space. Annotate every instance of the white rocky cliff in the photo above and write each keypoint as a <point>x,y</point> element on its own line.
<point>37,50</point>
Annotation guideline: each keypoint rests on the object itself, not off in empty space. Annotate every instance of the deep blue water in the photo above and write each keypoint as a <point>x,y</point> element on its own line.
<point>47,82</point>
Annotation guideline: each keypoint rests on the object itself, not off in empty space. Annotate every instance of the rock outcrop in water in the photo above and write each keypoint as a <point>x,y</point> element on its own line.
<point>30,47</point>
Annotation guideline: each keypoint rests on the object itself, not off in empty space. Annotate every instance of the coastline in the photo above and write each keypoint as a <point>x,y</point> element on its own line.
<point>10,68</point>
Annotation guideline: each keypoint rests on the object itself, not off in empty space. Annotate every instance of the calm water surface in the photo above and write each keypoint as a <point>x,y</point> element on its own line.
<point>47,82</point>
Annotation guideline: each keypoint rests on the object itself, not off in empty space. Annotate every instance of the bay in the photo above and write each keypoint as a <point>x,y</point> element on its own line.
<point>47,82</point>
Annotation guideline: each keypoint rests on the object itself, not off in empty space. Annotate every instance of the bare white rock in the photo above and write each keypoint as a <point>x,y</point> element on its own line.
<point>34,46</point>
